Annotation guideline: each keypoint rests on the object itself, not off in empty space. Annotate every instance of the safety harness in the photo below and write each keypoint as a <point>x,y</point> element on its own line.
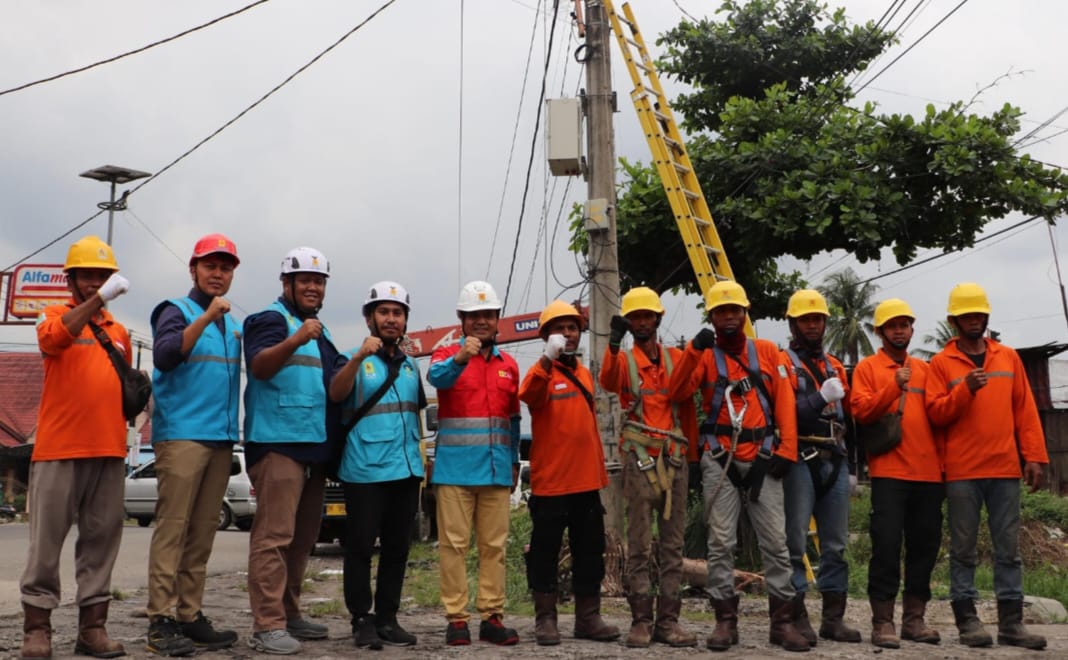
<point>819,446</point>
<point>640,438</point>
<point>766,435</point>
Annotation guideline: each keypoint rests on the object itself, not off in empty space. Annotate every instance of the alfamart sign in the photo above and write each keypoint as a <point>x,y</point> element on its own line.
<point>33,287</point>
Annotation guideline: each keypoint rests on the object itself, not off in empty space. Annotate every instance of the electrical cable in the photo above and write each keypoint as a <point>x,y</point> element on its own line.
<point>55,240</point>
<point>460,163</point>
<point>132,52</point>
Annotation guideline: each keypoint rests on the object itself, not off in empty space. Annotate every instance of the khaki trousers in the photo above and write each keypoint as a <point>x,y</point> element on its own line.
<point>642,501</point>
<point>486,509</point>
<point>86,490</point>
<point>192,480</point>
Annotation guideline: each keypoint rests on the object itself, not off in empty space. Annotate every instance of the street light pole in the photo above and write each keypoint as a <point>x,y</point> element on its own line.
<point>114,175</point>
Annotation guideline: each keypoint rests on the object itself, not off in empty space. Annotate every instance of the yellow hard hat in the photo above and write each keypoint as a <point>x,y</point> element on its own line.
<point>806,301</point>
<point>555,310</point>
<point>90,252</point>
<point>727,292</point>
<point>641,298</point>
<point>891,308</point>
<point>968,298</point>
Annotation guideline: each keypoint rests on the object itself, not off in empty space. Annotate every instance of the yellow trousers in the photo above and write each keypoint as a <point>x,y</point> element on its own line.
<point>461,509</point>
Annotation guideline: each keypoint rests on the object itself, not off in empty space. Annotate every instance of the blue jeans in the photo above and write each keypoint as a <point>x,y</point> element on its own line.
<point>832,524</point>
<point>1002,499</point>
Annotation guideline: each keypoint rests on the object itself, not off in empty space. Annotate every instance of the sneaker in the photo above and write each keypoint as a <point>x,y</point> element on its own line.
<point>304,629</point>
<point>166,638</point>
<point>457,634</point>
<point>494,631</point>
<point>363,631</point>
<point>205,636</point>
<point>278,642</point>
<point>392,634</point>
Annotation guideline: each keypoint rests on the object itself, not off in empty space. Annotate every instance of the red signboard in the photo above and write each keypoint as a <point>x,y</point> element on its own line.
<point>32,287</point>
<point>509,329</point>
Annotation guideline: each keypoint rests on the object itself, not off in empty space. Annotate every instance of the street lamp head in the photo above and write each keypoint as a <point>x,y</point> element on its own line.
<point>115,174</point>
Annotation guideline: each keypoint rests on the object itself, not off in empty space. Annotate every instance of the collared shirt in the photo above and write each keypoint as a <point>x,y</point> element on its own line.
<point>169,324</point>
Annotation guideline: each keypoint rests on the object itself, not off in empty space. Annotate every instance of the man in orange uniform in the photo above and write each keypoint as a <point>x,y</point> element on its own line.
<point>566,473</point>
<point>749,438</point>
<point>657,435</point>
<point>906,481</point>
<point>978,391</point>
<point>77,469</point>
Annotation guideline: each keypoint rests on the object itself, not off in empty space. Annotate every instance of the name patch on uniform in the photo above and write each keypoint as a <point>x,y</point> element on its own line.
<point>560,386</point>
<point>502,373</point>
<point>782,371</point>
<point>369,368</point>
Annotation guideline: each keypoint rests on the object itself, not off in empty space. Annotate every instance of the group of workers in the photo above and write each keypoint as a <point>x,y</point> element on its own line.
<point>772,441</point>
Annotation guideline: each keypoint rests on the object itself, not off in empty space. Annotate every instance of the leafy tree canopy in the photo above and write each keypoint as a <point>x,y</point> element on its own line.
<point>789,169</point>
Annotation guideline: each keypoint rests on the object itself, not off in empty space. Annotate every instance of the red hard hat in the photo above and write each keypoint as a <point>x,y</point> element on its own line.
<point>214,244</point>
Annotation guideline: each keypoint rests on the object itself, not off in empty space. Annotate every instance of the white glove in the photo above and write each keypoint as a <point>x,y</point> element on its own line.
<point>115,286</point>
<point>554,346</point>
<point>832,390</point>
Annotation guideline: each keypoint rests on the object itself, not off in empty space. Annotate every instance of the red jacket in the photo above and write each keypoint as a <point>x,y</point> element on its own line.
<point>566,455</point>
<point>875,393</point>
<point>988,432</point>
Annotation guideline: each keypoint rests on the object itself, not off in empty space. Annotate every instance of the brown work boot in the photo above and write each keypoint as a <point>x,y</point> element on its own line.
<point>92,637</point>
<point>971,630</point>
<point>782,632</point>
<point>725,634</point>
<point>37,632</point>
<point>545,630</point>
<point>801,621</point>
<point>832,626</point>
<point>588,621</point>
<point>882,625</point>
<point>668,631</point>
<point>641,621</point>
<point>1011,630</point>
<point>913,627</point>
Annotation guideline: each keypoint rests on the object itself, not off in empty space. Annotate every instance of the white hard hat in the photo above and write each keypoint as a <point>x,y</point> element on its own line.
<point>305,260</point>
<point>476,296</point>
<point>387,291</point>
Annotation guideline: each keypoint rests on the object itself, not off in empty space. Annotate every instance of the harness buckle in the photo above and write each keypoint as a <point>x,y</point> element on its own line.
<point>809,453</point>
<point>646,464</point>
<point>673,460</point>
<point>742,385</point>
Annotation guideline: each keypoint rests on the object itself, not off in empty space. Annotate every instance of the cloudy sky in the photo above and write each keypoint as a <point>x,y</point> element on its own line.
<point>402,153</point>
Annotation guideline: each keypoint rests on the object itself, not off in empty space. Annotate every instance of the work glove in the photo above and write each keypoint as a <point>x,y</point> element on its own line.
<point>778,466</point>
<point>705,339</point>
<point>620,326</point>
<point>554,346</point>
<point>832,390</point>
<point>115,286</point>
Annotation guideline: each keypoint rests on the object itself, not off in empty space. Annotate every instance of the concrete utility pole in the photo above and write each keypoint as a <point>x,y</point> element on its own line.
<point>601,228</point>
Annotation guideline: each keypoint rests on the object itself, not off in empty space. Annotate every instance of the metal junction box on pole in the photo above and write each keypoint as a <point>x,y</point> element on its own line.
<point>564,132</point>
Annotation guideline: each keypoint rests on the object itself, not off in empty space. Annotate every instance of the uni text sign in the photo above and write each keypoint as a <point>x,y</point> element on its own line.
<point>32,287</point>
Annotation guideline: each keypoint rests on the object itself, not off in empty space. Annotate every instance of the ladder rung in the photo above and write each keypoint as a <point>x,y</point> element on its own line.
<point>711,250</point>
<point>643,67</point>
<point>655,93</point>
<point>634,43</point>
<point>661,116</point>
<point>671,143</point>
<point>690,194</point>
<point>679,167</point>
<point>701,222</point>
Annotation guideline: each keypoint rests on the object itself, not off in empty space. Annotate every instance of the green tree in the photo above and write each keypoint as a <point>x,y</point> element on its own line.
<point>789,168</point>
<point>939,338</point>
<point>850,301</point>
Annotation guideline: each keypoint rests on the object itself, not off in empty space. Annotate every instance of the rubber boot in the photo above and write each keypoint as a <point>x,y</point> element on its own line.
<point>92,636</point>
<point>970,628</point>
<point>725,634</point>
<point>668,631</point>
<point>1011,630</point>
<point>913,627</point>
<point>641,621</point>
<point>832,626</point>
<point>545,631</point>
<point>588,621</point>
<point>36,632</point>
<point>882,624</point>
<point>782,632</point>
<point>801,621</point>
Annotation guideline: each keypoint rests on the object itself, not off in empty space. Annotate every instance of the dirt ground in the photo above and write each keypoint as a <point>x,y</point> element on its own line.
<point>227,605</point>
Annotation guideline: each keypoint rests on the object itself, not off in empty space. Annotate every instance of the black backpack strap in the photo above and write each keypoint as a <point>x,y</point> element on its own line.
<point>117,360</point>
<point>391,376</point>
<point>570,375</point>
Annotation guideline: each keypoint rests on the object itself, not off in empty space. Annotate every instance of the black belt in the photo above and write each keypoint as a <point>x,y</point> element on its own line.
<point>747,435</point>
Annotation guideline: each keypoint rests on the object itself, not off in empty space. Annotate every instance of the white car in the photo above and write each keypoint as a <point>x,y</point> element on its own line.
<point>238,505</point>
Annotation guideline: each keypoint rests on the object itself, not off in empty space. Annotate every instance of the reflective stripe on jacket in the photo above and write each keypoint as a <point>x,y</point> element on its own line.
<point>291,406</point>
<point>198,400</point>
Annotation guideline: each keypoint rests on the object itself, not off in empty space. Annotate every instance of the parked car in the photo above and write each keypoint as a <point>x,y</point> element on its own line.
<point>238,506</point>
<point>8,511</point>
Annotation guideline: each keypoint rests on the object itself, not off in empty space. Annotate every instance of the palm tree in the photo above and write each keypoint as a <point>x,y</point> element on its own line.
<point>939,338</point>
<point>850,301</point>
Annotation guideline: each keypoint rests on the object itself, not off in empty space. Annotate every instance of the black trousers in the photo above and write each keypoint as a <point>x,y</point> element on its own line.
<point>383,511</point>
<point>582,515</point>
<point>909,511</point>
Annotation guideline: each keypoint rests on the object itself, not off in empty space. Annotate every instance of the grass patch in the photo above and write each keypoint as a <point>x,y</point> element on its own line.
<point>327,608</point>
<point>117,594</point>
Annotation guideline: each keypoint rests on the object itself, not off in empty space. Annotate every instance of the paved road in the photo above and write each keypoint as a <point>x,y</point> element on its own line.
<point>229,556</point>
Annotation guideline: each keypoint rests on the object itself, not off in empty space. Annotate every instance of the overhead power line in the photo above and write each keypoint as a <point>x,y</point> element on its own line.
<point>132,52</point>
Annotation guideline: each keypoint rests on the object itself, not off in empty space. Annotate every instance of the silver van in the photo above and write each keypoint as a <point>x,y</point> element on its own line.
<point>238,506</point>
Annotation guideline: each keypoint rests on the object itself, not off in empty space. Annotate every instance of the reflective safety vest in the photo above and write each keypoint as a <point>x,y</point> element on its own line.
<point>291,406</point>
<point>806,385</point>
<point>198,399</point>
<point>767,437</point>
